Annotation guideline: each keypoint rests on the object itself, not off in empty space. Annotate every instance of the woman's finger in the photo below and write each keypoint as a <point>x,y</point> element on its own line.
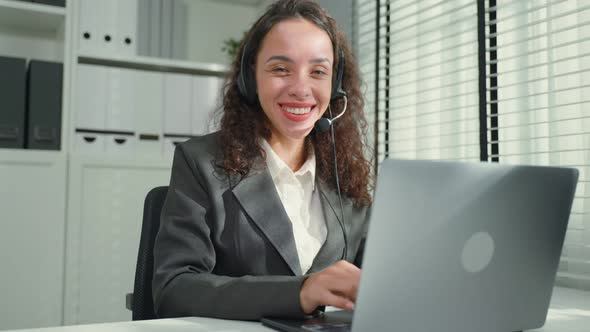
<point>334,300</point>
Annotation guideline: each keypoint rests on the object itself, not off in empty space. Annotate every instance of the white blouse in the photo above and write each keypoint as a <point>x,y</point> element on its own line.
<point>302,203</point>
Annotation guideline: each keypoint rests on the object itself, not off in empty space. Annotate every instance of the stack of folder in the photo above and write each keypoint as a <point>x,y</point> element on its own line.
<point>32,104</point>
<point>154,28</point>
<point>12,96</point>
<point>44,103</point>
<point>121,110</point>
<point>59,3</point>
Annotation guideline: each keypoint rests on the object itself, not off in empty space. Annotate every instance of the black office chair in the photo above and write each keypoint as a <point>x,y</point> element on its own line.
<point>140,302</point>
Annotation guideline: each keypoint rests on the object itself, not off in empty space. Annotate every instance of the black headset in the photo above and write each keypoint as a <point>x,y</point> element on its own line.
<point>247,82</point>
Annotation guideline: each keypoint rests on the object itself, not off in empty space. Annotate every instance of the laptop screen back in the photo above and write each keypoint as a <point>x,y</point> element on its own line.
<point>463,246</point>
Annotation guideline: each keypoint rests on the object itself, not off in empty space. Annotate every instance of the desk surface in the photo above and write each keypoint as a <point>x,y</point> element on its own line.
<point>569,312</point>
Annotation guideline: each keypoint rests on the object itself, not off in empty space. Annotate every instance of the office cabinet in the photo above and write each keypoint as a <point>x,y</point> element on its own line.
<point>104,223</point>
<point>32,240</point>
<point>32,182</point>
<point>116,107</point>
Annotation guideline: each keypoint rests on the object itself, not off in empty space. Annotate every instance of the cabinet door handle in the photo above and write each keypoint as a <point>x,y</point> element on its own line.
<point>90,139</point>
<point>149,137</point>
<point>120,140</point>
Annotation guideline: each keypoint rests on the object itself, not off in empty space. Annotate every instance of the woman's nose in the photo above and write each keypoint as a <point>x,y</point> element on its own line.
<point>300,87</point>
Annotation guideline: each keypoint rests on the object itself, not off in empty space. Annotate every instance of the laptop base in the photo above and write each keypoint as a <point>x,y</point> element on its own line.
<point>334,321</point>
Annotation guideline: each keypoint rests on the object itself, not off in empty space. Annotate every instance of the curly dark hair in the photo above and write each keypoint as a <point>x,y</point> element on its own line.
<point>242,123</point>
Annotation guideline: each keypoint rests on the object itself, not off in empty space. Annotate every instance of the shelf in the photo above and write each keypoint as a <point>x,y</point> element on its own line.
<point>31,16</point>
<point>121,160</point>
<point>30,156</point>
<point>155,64</point>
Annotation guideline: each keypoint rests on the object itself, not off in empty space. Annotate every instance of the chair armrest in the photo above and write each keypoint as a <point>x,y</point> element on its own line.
<point>129,301</point>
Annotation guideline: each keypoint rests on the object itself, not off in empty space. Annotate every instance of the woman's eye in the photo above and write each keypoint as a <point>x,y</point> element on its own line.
<point>279,70</point>
<point>320,73</point>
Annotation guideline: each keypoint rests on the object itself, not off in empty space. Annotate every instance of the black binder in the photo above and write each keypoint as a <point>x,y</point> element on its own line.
<point>59,3</point>
<point>12,102</point>
<point>44,100</point>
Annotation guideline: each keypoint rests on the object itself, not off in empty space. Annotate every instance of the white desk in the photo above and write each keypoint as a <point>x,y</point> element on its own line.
<point>569,312</point>
<point>188,324</point>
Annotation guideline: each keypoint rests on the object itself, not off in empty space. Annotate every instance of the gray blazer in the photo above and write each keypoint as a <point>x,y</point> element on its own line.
<point>225,247</point>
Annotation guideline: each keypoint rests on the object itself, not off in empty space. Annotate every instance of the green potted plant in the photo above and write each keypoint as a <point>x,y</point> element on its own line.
<point>231,45</point>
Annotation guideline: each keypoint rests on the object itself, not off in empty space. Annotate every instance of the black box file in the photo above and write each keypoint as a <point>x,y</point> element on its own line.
<point>12,102</point>
<point>59,3</point>
<point>44,100</point>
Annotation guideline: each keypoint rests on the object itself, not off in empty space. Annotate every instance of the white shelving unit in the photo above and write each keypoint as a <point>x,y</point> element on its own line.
<point>30,30</point>
<point>36,32</point>
<point>156,64</point>
<point>72,218</point>
<point>33,185</point>
<point>31,16</point>
<point>106,189</point>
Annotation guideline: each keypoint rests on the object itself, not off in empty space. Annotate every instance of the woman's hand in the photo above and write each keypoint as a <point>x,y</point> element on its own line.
<point>334,286</point>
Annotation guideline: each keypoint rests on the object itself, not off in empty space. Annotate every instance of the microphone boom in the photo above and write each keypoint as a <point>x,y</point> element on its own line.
<point>323,124</point>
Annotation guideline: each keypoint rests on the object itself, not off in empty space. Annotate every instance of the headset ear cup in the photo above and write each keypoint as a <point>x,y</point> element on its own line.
<point>337,90</point>
<point>241,85</point>
<point>246,82</point>
<point>247,86</point>
<point>251,96</point>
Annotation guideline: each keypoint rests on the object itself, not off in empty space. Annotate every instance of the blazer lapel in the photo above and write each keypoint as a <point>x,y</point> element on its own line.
<point>258,196</point>
<point>333,247</point>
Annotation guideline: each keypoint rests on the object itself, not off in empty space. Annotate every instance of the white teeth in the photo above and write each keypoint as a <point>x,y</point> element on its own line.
<point>297,110</point>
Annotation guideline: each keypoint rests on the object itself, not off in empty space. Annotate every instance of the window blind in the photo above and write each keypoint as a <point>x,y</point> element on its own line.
<point>542,102</point>
<point>366,43</point>
<point>425,61</point>
<point>426,91</point>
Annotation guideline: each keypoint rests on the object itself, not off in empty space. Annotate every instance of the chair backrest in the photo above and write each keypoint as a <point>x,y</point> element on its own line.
<point>143,305</point>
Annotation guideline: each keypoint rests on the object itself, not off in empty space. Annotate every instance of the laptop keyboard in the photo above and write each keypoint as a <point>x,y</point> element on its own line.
<point>328,327</point>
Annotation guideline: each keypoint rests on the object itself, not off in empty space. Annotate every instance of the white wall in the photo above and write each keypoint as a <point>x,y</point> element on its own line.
<point>210,23</point>
<point>261,8</point>
<point>341,11</point>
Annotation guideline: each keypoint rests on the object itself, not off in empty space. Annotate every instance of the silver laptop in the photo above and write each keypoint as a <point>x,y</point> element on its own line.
<point>458,247</point>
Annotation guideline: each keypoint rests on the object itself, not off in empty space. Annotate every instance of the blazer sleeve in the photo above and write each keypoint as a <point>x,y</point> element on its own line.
<point>184,258</point>
<point>358,260</point>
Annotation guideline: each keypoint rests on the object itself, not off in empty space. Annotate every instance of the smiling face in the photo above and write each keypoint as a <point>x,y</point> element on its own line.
<point>294,77</point>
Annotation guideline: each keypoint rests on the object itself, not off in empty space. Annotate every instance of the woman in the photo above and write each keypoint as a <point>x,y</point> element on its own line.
<point>253,224</point>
